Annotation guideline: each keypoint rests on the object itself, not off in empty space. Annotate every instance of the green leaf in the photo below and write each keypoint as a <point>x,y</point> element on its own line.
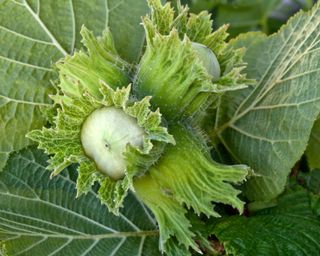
<point>34,35</point>
<point>290,228</point>
<point>315,204</point>
<point>310,180</point>
<point>125,25</point>
<point>313,149</point>
<point>40,216</point>
<point>199,5</point>
<point>268,126</point>
<point>246,15</point>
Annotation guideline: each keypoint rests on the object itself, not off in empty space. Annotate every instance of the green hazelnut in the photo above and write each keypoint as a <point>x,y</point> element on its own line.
<point>104,137</point>
<point>208,59</point>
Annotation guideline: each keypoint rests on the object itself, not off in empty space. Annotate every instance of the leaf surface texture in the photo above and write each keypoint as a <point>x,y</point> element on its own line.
<point>40,216</point>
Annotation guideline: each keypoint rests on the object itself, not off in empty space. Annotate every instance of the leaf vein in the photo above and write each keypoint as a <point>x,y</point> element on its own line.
<point>90,192</point>
<point>39,220</point>
<point>26,37</point>
<point>285,105</point>
<point>44,27</point>
<point>90,247</point>
<point>271,141</point>
<point>25,64</point>
<point>27,226</point>
<point>141,246</point>
<point>118,247</point>
<point>69,240</point>
<point>261,94</point>
<point>31,246</point>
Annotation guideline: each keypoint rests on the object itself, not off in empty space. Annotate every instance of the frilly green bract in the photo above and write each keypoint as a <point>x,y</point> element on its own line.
<point>170,69</point>
<point>79,94</point>
<point>171,179</point>
<point>187,176</point>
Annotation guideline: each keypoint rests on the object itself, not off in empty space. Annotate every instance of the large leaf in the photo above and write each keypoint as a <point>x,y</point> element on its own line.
<point>265,15</point>
<point>124,21</point>
<point>268,126</point>
<point>34,34</point>
<point>290,228</point>
<point>245,15</point>
<point>40,216</point>
<point>313,149</point>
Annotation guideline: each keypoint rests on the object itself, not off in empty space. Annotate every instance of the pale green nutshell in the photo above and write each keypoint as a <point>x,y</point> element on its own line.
<point>137,127</point>
<point>104,137</point>
<point>209,60</point>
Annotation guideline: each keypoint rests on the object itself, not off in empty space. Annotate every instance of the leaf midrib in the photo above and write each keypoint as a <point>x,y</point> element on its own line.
<point>143,233</point>
<point>269,84</point>
<point>44,27</point>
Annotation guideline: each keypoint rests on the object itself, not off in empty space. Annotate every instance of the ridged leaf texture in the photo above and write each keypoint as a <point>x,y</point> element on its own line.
<point>40,216</point>
<point>267,126</point>
<point>290,228</point>
<point>313,149</point>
